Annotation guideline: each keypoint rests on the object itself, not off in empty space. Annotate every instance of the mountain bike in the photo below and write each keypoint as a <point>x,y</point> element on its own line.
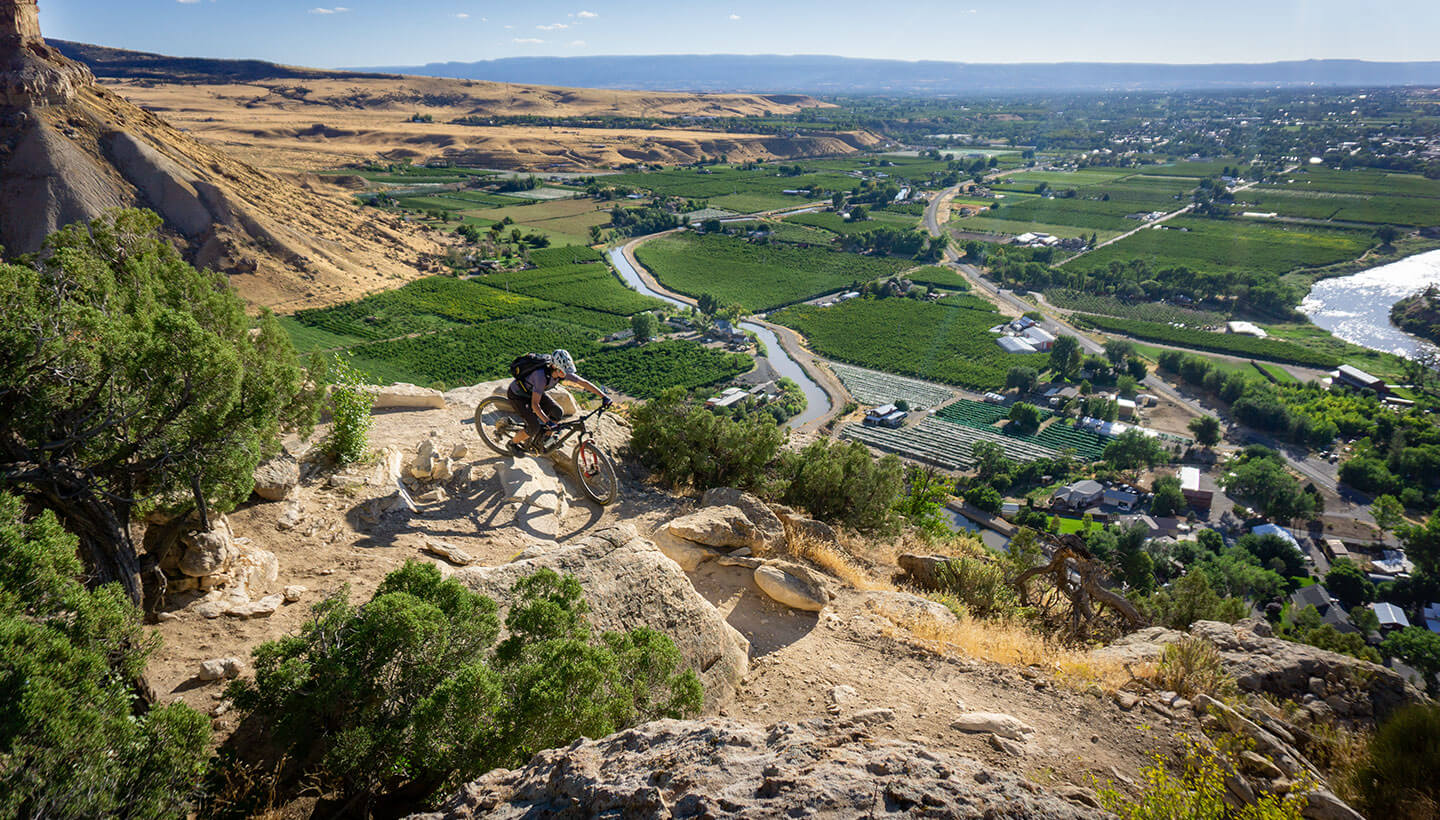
<point>497,423</point>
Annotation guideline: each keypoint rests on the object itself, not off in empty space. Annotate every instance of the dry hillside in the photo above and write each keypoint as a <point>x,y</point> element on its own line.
<point>70,149</point>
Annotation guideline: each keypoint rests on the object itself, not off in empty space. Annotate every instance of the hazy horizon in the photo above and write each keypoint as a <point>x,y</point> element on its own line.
<point>1039,31</point>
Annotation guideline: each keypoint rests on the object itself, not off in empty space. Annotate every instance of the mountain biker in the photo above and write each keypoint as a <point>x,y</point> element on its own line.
<point>527,394</point>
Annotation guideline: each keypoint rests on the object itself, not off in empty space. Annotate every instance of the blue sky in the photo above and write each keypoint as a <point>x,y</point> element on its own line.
<point>407,32</point>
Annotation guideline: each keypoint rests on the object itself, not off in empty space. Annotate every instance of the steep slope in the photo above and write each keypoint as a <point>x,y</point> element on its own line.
<point>69,149</point>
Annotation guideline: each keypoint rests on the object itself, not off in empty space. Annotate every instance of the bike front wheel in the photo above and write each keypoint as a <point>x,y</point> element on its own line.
<point>596,472</point>
<point>497,423</point>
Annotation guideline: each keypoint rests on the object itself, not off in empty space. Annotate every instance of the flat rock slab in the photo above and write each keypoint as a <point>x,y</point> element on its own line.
<point>1006,726</point>
<point>533,482</point>
<point>767,525</point>
<point>722,526</point>
<point>404,396</point>
<point>688,554</point>
<point>791,589</point>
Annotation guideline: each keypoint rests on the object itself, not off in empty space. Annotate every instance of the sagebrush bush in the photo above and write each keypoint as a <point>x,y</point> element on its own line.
<point>349,438</point>
<point>979,586</point>
<point>411,694</point>
<point>1192,666</point>
<point>72,743</point>
<point>689,445</point>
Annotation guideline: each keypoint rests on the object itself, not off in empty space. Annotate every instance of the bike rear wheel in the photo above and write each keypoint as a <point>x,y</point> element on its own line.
<point>596,472</point>
<point>497,423</point>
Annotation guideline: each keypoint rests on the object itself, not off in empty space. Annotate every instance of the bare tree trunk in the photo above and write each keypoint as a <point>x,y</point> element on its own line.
<point>105,543</point>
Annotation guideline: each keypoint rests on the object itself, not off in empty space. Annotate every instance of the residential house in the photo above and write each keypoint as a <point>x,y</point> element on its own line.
<point>1120,497</point>
<point>1391,617</point>
<point>1078,496</point>
<point>728,397</point>
<point>1318,596</point>
<point>1195,495</point>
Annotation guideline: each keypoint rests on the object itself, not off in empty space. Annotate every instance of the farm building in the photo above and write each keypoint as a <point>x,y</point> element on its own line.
<point>1057,396</point>
<point>1127,408</point>
<point>722,329</point>
<point>1195,495</point>
<point>886,415</point>
<point>1039,338</point>
<point>1359,379</point>
<point>1014,344</point>
<point>1246,329</point>
<point>1122,498</point>
<point>731,395</point>
<point>1391,616</point>
<point>1079,495</point>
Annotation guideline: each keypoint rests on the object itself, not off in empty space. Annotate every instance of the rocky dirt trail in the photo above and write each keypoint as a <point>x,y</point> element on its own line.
<point>856,659</point>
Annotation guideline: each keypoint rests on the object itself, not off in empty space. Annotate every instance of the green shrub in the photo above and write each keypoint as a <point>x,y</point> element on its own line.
<point>1192,599</point>
<point>410,694</point>
<point>690,446</point>
<point>980,587</point>
<point>1398,779</point>
<point>71,743</point>
<point>1197,793</point>
<point>842,482</point>
<point>349,437</point>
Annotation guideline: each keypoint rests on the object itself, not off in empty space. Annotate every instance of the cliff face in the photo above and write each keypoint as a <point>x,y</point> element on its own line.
<point>70,149</point>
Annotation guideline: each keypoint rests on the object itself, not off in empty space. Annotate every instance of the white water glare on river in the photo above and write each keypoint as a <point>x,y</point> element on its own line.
<point>1356,308</point>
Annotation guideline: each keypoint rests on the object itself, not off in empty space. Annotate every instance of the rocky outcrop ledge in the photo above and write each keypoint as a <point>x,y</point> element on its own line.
<point>722,768</point>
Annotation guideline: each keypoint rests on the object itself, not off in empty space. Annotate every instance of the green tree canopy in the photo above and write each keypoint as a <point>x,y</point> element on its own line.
<point>1206,430</point>
<point>1133,449</point>
<point>72,742</point>
<point>129,379</point>
<point>1065,356</point>
<point>1169,499</point>
<point>1348,583</point>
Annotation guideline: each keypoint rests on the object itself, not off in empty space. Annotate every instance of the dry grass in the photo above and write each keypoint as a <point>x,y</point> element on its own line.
<point>834,560</point>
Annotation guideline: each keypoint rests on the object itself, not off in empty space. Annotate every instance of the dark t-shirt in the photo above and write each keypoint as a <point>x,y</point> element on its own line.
<point>540,381</point>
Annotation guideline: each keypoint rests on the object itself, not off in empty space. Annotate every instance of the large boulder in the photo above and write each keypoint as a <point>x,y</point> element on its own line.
<point>630,583</point>
<point>207,552</point>
<point>793,585</point>
<point>722,768</point>
<point>724,527</point>
<point>767,525</point>
<point>277,478</point>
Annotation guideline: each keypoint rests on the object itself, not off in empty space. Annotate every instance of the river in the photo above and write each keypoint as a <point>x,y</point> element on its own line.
<point>1356,308</point>
<point>817,402</point>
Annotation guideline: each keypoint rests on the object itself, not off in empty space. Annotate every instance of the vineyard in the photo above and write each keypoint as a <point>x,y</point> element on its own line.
<point>590,286</point>
<point>927,340</point>
<point>425,305</point>
<point>565,255</point>
<point>1060,434</point>
<point>935,276</point>
<point>756,277</point>
<point>1144,311</point>
<point>943,443</point>
<point>835,223</point>
<point>1233,344</point>
<point>876,388</point>
<point>645,372</point>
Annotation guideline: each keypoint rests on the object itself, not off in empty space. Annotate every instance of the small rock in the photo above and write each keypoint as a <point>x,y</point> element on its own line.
<point>1181,703</point>
<point>1317,687</point>
<point>165,617</point>
<point>1001,724</point>
<point>1081,795</point>
<point>460,451</point>
<point>210,610</point>
<point>220,708</point>
<point>720,526</point>
<point>843,694</point>
<point>212,669</point>
<point>1127,700</point>
<point>1324,805</point>
<point>1259,765</point>
<point>454,555</point>
<point>233,666</point>
<point>290,517</point>
<point>277,478</point>
<point>206,553</point>
<point>424,465</point>
<point>293,593</point>
<point>1007,746</point>
<point>435,496</point>
<point>327,572</point>
<point>871,717</point>
<point>263,608</point>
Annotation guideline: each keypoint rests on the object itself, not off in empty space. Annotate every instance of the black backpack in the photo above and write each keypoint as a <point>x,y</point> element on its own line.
<point>524,365</point>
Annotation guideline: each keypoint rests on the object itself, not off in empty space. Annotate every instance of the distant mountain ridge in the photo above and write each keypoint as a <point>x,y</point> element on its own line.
<point>845,75</point>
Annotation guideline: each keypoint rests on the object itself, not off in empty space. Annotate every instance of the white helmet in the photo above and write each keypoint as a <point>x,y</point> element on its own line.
<point>561,359</point>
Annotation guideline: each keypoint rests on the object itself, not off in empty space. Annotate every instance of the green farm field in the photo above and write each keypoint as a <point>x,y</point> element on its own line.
<point>1227,245</point>
<point>926,340</point>
<point>757,277</point>
<point>835,223</point>
<point>646,371</point>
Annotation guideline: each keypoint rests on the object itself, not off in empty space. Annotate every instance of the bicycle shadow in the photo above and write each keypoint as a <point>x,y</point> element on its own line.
<point>767,624</point>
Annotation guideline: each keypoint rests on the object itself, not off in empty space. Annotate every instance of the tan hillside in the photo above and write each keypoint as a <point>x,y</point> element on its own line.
<point>310,123</point>
<point>70,149</point>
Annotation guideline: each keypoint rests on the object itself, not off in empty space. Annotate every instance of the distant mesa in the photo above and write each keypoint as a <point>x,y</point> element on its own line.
<point>70,150</point>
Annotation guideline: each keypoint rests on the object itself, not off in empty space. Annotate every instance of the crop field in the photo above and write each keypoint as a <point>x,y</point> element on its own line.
<point>1308,203</point>
<point>835,223</point>
<point>1197,169</point>
<point>934,275</point>
<point>590,286</point>
<point>927,340</point>
<point>1005,227</point>
<point>1365,182</point>
<point>566,255</point>
<point>310,339</point>
<point>875,388</point>
<point>757,277</point>
<point>1232,344</point>
<point>647,371</point>
<point>1069,179</point>
<point>564,221</point>
<point>1100,203</point>
<point>725,180</point>
<point>990,417</point>
<point>785,231</point>
<point>433,303</point>
<point>1221,246</point>
<point>943,443</point>
<point>1144,311</point>
<point>414,174</point>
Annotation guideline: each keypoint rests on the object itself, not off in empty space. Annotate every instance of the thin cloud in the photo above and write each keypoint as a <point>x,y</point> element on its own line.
<point>336,10</point>
<point>734,17</point>
<point>462,16</point>
<point>584,15</point>
<point>188,2</point>
<point>529,41</point>
<point>577,43</point>
<point>553,26</point>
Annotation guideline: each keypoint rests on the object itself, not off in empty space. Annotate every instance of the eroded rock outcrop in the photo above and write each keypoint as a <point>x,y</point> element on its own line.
<point>722,768</point>
<point>629,583</point>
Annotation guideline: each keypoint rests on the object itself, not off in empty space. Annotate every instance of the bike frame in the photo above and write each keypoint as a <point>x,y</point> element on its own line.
<point>573,427</point>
